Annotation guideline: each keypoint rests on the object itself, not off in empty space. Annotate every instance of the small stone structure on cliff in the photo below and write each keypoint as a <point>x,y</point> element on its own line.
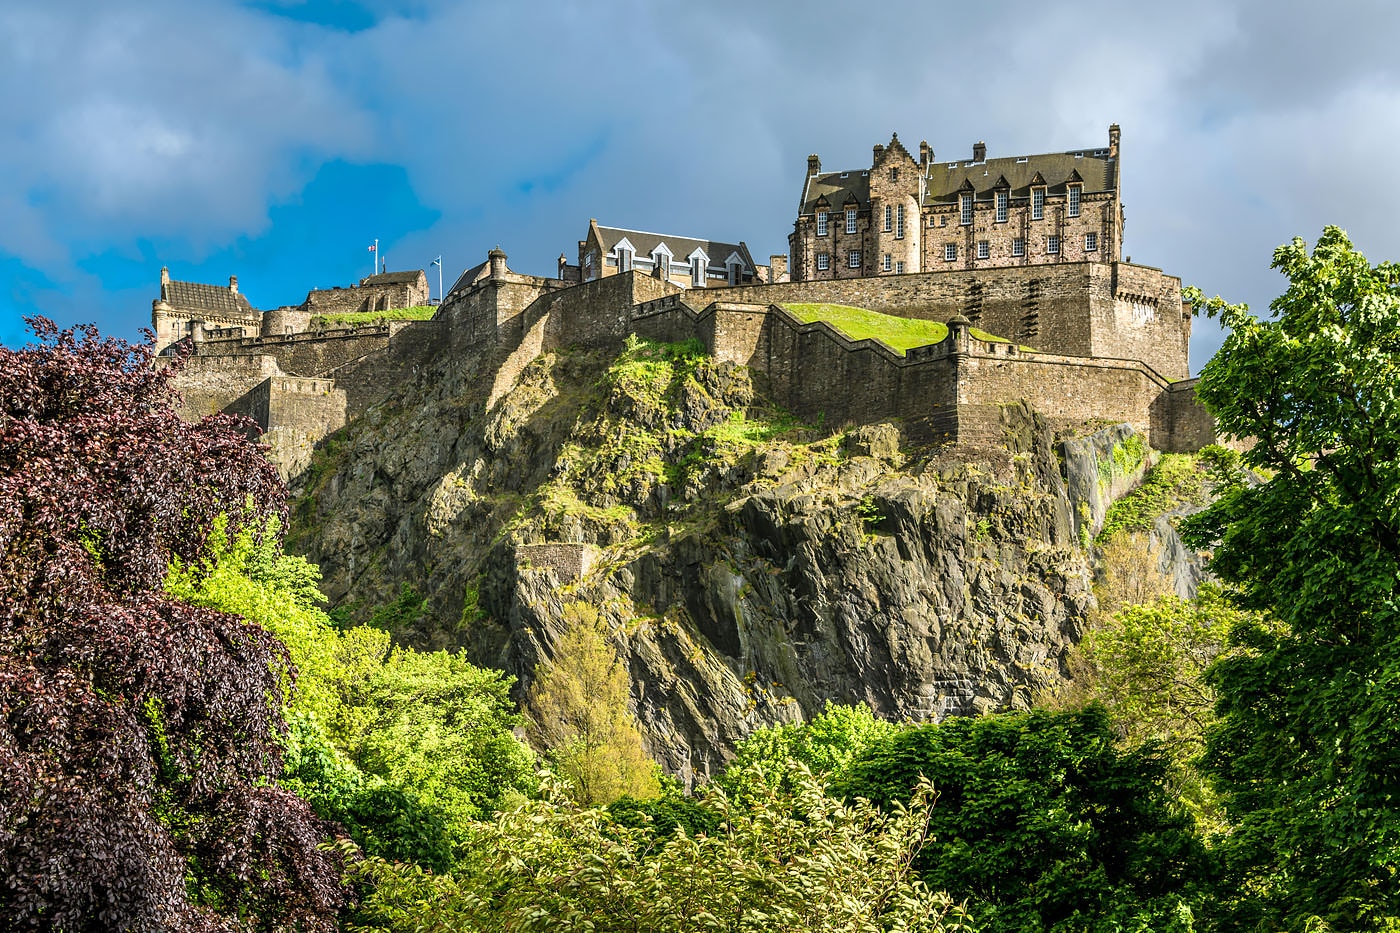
<point>1089,338</point>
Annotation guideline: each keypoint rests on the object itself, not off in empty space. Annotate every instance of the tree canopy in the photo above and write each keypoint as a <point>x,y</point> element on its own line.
<point>1304,752</point>
<point>138,734</point>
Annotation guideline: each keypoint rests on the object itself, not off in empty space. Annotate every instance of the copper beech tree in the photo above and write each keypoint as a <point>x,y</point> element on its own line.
<point>138,735</point>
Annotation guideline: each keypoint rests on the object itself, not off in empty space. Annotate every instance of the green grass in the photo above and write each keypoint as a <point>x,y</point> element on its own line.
<point>898,333</point>
<point>354,318</point>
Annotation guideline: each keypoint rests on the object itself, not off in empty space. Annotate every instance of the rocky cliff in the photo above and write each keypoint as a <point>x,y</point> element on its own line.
<point>750,568</point>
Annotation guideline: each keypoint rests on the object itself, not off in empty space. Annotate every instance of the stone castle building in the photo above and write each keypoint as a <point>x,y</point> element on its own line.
<point>903,216</point>
<point>1086,337</point>
<point>197,312</point>
<point>687,262</point>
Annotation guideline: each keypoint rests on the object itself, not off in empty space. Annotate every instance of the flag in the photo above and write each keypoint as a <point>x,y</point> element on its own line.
<point>437,261</point>
<point>373,247</point>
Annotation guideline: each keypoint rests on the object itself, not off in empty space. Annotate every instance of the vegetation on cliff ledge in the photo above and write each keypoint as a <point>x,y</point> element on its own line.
<point>897,333</point>
<point>357,318</point>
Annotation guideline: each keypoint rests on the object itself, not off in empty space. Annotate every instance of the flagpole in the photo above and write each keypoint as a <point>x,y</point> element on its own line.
<point>375,270</point>
<point>438,262</point>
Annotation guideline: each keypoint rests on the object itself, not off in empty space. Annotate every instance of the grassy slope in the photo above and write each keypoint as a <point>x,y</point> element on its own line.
<point>899,333</point>
<point>351,319</point>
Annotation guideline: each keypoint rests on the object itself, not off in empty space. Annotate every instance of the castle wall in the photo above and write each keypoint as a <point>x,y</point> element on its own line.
<point>1192,426</point>
<point>299,412</point>
<point>1075,309</point>
<point>308,354</point>
<point>369,379</point>
<point>209,385</point>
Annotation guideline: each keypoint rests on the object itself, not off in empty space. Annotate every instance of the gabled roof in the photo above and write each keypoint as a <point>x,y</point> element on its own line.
<point>645,244</point>
<point>468,278</point>
<point>393,278</point>
<point>838,187</point>
<point>1057,169</point>
<point>196,296</point>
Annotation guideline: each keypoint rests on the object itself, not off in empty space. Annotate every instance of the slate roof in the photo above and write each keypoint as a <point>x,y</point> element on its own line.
<point>196,296</point>
<point>680,246</point>
<point>392,278</point>
<point>469,278</point>
<point>838,188</point>
<point>1097,172</point>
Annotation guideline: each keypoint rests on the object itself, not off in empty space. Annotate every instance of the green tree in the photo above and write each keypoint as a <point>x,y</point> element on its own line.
<point>824,745</point>
<point>799,861</point>
<point>1304,752</point>
<point>578,707</point>
<point>1042,822</point>
<point>404,748</point>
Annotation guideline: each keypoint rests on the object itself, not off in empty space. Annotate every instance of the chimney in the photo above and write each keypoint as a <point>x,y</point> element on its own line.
<point>979,151</point>
<point>1113,135</point>
<point>814,165</point>
<point>925,154</point>
<point>233,284</point>
<point>778,268</point>
<point>164,275</point>
<point>879,151</point>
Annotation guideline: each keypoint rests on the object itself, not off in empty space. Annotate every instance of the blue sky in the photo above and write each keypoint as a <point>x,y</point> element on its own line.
<point>276,139</point>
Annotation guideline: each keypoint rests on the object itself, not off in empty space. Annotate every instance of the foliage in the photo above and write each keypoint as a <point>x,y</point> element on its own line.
<point>357,318</point>
<point>1176,479</point>
<point>403,613</point>
<point>578,711</point>
<point>898,333</point>
<point>824,746</point>
<point>1304,750</point>
<point>1042,822</point>
<point>800,862</point>
<point>404,748</point>
<point>1146,665</point>
<point>138,734</point>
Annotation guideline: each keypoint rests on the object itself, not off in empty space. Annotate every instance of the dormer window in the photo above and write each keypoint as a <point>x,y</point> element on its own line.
<point>735,267</point>
<point>966,201</point>
<point>1037,204</point>
<point>850,220</point>
<point>697,272</point>
<point>821,223</point>
<point>1074,191</point>
<point>1002,200</point>
<point>661,264</point>
<point>624,259</point>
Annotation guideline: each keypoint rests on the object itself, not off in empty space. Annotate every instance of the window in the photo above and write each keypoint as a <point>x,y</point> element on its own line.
<point>899,268</point>
<point>932,221</point>
<point>967,208</point>
<point>899,222</point>
<point>1091,242</point>
<point>889,218</point>
<point>850,220</point>
<point>588,267</point>
<point>885,264</point>
<point>821,223</point>
<point>950,252</point>
<point>1018,246</point>
<point>1052,244</point>
<point>1074,200</point>
<point>1037,204</point>
<point>624,260</point>
<point>1001,206</point>
<point>853,259</point>
<point>984,249</point>
<point>661,264</point>
<point>736,273</point>
<point>823,262</point>
<point>697,272</point>
<point>894,174</point>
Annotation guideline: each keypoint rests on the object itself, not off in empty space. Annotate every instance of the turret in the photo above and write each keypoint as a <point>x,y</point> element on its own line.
<point>497,259</point>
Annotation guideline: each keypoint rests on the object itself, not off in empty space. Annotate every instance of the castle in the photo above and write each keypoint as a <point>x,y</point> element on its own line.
<point>1090,337</point>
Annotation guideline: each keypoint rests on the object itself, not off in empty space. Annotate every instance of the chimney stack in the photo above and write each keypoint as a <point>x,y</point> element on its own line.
<point>233,284</point>
<point>925,154</point>
<point>814,165</point>
<point>979,151</point>
<point>879,151</point>
<point>164,275</point>
<point>1113,135</point>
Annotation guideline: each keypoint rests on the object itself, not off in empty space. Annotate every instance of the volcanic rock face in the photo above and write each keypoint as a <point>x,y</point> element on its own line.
<point>750,568</point>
